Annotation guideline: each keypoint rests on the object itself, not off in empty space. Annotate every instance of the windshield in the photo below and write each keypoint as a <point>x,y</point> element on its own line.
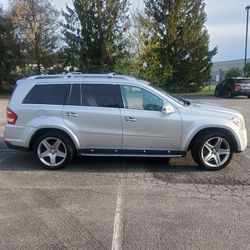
<point>179,100</point>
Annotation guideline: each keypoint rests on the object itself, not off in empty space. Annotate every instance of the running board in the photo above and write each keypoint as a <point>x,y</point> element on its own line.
<point>131,153</point>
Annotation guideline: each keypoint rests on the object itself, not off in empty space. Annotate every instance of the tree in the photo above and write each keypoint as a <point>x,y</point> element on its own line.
<point>93,32</point>
<point>36,23</point>
<point>233,72</point>
<point>9,48</point>
<point>183,41</point>
<point>247,69</point>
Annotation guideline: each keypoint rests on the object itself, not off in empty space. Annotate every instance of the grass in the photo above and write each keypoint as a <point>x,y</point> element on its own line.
<point>4,96</point>
<point>203,92</point>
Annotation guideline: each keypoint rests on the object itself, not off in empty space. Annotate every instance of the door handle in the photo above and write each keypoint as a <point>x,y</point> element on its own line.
<point>71,114</point>
<point>130,119</point>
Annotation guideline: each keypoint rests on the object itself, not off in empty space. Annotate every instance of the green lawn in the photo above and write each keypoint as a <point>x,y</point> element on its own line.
<point>203,92</point>
<point>3,96</point>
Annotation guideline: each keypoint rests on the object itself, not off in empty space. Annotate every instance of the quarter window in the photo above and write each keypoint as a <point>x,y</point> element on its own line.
<point>138,98</point>
<point>53,94</point>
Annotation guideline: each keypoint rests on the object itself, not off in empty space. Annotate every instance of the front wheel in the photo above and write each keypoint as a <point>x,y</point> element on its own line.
<point>53,150</point>
<point>212,151</point>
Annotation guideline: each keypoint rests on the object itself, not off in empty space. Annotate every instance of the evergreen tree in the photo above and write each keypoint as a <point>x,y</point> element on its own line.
<point>233,72</point>
<point>183,41</point>
<point>36,23</point>
<point>247,70</point>
<point>93,32</point>
<point>9,48</point>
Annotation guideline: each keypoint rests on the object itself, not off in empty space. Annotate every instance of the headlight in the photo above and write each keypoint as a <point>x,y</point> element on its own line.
<point>238,122</point>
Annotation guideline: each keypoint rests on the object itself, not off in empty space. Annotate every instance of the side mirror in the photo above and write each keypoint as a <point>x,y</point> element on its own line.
<point>167,109</point>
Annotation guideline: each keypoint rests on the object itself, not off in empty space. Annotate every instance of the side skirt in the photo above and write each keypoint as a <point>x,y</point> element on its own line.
<point>131,153</point>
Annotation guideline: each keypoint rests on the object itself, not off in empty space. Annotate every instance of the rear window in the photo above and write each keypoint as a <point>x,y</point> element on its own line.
<point>53,94</point>
<point>246,81</point>
<point>95,95</point>
<point>101,95</point>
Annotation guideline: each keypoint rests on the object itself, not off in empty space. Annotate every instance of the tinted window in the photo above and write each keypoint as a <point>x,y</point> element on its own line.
<point>101,95</point>
<point>137,98</point>
<point>47,94</point>
<point>75,95</point>
<point>246,81</point>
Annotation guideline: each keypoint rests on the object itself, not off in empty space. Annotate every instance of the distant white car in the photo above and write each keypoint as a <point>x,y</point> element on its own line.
<point>115,115</point>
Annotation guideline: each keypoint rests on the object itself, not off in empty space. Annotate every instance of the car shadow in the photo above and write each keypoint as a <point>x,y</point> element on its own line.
<point>23,161</point>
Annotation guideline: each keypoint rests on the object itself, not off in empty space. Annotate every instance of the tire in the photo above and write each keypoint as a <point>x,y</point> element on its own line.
<point>229,94</point>
<point>53,150</point>
<point>212,150</point>
<point>217,93</point>
<point>248,96</point>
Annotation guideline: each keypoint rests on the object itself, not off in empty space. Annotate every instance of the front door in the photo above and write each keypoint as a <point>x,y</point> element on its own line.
<point>145,126</point>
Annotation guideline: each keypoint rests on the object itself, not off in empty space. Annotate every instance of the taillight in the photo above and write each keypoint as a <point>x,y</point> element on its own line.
<point>11,116</point>
<point>237,86</point>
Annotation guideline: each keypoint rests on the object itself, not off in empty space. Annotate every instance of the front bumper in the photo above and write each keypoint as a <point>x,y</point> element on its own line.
<point>242,140</point>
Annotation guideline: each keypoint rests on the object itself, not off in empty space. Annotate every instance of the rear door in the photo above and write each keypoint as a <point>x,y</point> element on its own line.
<point>92,113</point>
<point>222,88</point>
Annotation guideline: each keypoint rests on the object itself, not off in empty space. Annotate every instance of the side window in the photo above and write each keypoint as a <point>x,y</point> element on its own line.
<point>231,81</point>
<point>75,95</point>
<point>101,95</point>
<point>138,98</point>
<point>53,94</point>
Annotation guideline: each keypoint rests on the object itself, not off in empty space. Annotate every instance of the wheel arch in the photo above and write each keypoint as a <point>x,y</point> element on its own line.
<point>42,131</point>
<point>218,130</point>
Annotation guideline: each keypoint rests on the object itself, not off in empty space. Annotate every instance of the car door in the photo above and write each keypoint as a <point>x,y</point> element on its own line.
<point>92,113</point>
<point>225,86</point>
<point>145,126</point>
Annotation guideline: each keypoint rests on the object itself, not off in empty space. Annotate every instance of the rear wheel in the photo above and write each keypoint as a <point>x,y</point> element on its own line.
<point>230,94</point>
<point>212,151</point>
<point>53,150</point>
<point>248,96</point>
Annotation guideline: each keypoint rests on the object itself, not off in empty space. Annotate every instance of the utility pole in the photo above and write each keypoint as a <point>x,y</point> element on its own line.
<point>247,9</point>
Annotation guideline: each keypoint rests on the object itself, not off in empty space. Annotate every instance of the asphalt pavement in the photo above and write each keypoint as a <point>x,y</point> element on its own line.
<point>125,203</point>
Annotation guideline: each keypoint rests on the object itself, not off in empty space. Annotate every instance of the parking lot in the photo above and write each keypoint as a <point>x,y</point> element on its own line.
<point>125,203</point>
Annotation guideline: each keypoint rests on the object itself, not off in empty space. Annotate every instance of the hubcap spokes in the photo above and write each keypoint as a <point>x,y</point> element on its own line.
<point>52,151</point>
<point>215,152</point>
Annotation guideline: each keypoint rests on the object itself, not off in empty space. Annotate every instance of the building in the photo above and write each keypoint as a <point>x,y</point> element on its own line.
<point>220,69</point>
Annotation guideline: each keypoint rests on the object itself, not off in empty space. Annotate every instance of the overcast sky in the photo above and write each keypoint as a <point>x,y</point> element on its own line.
<point>226,24</point>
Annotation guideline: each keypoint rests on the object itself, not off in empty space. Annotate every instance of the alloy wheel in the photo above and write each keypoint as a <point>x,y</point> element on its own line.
<point>215,152</point>
<point>52,151</point>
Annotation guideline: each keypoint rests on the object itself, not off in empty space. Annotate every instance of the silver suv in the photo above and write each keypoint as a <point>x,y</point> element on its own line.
<point>114,115</point>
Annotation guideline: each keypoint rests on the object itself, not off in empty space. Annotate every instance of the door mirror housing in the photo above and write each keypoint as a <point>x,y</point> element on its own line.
<point>167,109</point>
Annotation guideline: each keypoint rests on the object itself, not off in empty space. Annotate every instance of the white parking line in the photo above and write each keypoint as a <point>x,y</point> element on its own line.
<point>118,224</point>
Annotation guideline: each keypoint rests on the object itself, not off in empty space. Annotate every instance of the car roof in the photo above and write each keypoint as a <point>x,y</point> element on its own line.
<point>238,78</point>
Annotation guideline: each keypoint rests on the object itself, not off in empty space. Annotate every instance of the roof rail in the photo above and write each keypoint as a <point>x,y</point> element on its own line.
<point>45,76</point>
<point>81,75</point>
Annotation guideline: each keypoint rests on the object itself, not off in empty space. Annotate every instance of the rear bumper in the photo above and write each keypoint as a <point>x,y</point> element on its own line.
<point>241,92</point>
<point>15,137</point>
<point>11,146</point>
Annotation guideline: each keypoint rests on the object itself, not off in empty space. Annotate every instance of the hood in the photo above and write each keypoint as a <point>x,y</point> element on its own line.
<point>209,107</point>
